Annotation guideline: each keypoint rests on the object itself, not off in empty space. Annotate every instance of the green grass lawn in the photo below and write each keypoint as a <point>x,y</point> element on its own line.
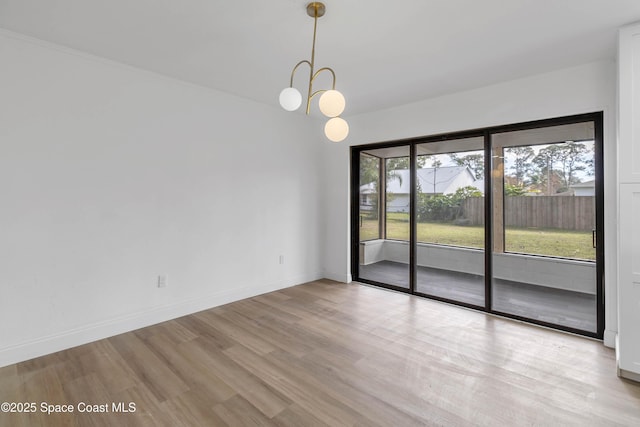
<point>551,242</point>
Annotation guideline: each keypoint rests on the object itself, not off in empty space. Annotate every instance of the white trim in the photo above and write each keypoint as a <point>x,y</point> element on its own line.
<point>629,375</point>
<point>609,339</point>
<point>108,328</point>
<point>338,277</point>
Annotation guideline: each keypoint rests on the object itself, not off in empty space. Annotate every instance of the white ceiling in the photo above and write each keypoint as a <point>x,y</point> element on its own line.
<point>385,53</point>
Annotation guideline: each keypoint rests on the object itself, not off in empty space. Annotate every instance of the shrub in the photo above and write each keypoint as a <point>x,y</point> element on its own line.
<point>514,190</point>
<point>444,207</point>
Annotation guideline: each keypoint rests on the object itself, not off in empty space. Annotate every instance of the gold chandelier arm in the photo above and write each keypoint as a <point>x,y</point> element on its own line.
<point>317,92</point>
<point>311,95</point>
<point>333,86</point>
<point>293,72</point>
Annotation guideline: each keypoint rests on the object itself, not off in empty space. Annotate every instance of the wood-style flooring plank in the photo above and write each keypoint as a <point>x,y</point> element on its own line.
<point>192,370</point>
<point>154,372</point>
<point>223,324</point>
<point>238,412</point>
<point>266,399</point>
<point>318,403</point>
<point>330,354</point>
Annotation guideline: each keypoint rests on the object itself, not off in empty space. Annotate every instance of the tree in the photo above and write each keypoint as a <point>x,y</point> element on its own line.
<point>590,162</point>
<point>393,165</point>
<point>463,193</point>
<point>520,159</point>
<point>396,163</point>
<point>369,169</point>
<point>435,164</point>
<point>475,162</point>
<point>571,159</point>
<point>403,162</point>
<point>562,160</point>
<point>545,163</point>
<point>370,174</point>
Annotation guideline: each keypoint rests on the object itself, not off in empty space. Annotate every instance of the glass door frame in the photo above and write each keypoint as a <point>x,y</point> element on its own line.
<point>486,133</point>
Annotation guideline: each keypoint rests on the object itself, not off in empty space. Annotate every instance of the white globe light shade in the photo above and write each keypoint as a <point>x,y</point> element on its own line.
<point>290,99</point>
<point>336,129</point>
<point>332,103</point>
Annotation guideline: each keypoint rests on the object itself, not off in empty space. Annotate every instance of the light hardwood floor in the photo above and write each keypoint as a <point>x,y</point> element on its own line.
<point>326,353</point>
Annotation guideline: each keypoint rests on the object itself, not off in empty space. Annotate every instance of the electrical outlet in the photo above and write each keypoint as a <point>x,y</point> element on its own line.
<point>163,280</point>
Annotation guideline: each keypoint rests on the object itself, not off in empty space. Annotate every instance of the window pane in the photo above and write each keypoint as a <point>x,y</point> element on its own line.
<point>543,218</point>
<point>397,198</point>
<point>369,197</point>
<point>384,257</point>
<point>450,220</point>
<point>549,199</point>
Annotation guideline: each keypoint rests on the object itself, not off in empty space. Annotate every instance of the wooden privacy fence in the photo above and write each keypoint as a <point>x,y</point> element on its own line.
<point>565,212</point>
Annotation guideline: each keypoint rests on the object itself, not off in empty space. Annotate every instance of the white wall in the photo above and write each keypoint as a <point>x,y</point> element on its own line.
<point>111,176</point>
<point>583,89</point>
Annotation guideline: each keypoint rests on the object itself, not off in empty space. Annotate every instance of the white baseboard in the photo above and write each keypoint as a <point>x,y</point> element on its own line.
<point>338,277</point>
<point>609,338</point>
<point>96,331</point>
<point>629,375</point>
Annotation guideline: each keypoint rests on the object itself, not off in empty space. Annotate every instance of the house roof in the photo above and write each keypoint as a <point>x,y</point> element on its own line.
<point>586,184</point>
<point>444,177</point>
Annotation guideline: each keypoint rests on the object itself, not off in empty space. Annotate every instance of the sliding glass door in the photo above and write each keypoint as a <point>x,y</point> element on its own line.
<point>506,219</point>
<point>384,188</point>
<point>544,216</point>
<point>450,220</point>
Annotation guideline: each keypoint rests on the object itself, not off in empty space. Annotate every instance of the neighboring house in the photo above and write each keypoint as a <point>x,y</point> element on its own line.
<point>443,180</point>
<point>367,197</point>
<point>584,188</point>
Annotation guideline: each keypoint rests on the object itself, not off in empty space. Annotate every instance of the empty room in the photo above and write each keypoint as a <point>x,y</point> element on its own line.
<point>294,213</point>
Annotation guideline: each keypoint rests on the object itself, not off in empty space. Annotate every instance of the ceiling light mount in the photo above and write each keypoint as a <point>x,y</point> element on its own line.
<point>316,9</point>
<point>331,101</point>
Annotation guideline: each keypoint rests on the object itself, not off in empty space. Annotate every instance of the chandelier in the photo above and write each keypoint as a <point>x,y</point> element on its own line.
<point>331,101</point>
